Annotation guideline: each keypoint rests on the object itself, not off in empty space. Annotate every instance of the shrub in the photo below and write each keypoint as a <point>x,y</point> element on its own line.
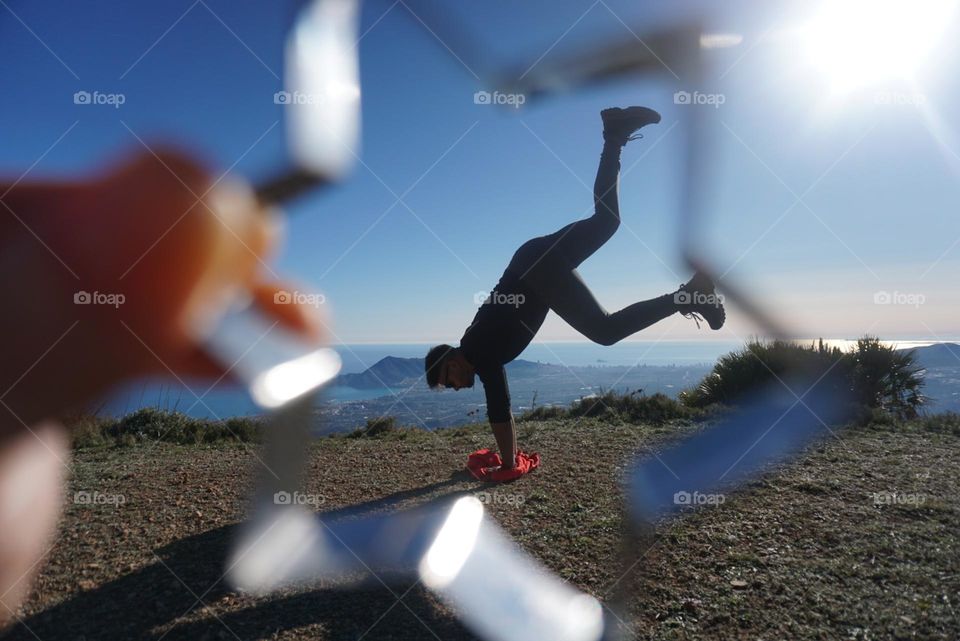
<point>152,424</point>
<point>243,429</point>
<point>631,407</point>
<point>878,376</point>
<point>544,413</point>
<point>88,430</point>
<point>947,422</point>
<point>878,418</point>
<point>886,378</point>
<point>382,427</point>
<point>756,365</point>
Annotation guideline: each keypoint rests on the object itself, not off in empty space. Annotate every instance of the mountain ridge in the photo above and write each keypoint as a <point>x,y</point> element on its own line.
<point>395,371</point>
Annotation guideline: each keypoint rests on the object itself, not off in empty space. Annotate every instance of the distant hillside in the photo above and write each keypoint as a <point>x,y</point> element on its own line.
<point>940,355</point>
<point>393,371</point>
<point>390,371</point>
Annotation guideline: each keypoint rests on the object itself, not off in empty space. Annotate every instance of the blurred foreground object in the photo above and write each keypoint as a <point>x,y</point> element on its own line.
<point>321,99</point>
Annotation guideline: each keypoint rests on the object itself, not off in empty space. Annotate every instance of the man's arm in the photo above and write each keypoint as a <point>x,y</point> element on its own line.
<point>498,412</point>
<point>506,435</point>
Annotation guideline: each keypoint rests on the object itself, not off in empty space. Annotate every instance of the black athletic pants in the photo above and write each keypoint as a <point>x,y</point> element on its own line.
<point>548,266</point>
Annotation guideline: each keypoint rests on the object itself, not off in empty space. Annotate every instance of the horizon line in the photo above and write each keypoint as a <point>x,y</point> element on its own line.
<point>931,341</point>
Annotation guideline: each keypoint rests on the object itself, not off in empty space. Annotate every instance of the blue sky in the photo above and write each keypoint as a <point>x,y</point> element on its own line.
<point>879,216</point>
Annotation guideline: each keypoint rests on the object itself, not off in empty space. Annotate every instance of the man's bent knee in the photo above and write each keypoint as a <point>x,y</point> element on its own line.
<point>602,336</point>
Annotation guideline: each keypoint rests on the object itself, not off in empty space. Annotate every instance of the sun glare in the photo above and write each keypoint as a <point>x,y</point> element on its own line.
<point>857,43</point>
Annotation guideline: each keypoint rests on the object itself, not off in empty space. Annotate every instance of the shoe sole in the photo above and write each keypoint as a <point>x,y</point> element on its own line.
<point>617,114</point>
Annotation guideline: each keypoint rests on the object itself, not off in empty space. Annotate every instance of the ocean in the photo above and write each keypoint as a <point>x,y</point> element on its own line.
<point>226,399</point>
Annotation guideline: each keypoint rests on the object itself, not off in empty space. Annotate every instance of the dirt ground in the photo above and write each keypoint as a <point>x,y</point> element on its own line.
<point>804,553</point>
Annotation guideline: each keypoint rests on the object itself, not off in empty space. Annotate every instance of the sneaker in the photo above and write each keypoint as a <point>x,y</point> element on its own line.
<point>619,124</point>
<point>698,299</point>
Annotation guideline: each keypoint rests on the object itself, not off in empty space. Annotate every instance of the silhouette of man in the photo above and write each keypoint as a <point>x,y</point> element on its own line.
<point>542,275</point>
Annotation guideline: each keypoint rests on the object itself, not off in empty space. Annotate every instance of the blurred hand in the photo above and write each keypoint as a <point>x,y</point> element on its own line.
<point>105,280</point>
<point>112,278</point>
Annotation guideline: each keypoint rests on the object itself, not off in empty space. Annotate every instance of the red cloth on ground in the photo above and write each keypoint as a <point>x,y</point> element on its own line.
<point>482,459</point>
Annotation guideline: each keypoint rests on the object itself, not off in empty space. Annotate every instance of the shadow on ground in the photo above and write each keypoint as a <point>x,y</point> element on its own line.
<point>182,595</point>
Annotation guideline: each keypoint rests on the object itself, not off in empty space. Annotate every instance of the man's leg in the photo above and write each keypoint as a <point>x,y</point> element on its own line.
<point>576,242</point>
<point>568,296</point>
<point>552,274</point>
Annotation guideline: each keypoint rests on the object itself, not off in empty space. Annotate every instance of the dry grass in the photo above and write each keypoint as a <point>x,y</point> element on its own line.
<point>802,553</point>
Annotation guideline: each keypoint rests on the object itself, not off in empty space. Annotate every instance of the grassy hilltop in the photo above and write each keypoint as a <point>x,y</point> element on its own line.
<point>855,539</point>
<point>804,552</point>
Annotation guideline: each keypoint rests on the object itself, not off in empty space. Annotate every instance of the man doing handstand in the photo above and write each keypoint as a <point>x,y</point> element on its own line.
<point>542,275</point>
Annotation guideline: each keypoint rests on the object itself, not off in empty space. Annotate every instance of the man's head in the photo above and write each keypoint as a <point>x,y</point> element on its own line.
<point>446,366</point>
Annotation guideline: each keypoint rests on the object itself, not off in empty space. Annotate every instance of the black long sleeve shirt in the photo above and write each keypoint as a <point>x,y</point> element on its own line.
<point>503,327</point>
